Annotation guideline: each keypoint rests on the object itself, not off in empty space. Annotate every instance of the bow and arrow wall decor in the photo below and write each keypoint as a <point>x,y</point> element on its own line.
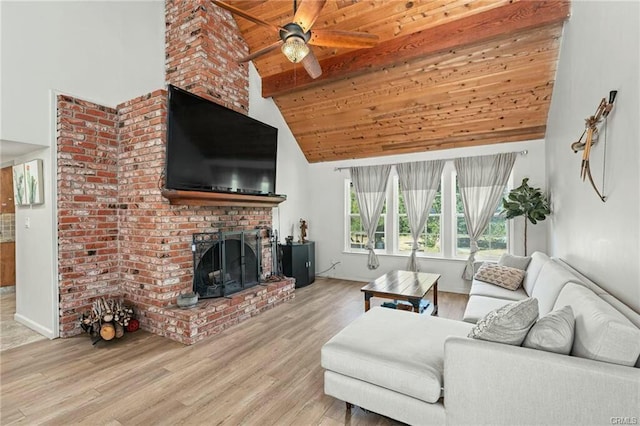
<point>591,136</point>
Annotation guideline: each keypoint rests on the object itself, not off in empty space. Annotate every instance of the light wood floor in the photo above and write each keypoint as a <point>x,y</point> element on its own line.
<point>264,371</point>
<point>12,333</point>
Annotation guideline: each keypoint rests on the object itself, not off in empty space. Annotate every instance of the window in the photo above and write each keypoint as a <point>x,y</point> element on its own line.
<point>445,234</point>
<point>492,243</point>
<point>357,237</point>
<point>429,241</point>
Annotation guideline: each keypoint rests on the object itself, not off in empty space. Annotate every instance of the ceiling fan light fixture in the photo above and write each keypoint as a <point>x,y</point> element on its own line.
<point>295,48</point>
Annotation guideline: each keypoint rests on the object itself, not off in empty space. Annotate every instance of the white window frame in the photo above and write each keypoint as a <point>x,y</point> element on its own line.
<point>448,228</point>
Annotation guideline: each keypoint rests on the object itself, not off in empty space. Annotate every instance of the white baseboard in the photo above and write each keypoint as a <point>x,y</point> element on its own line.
<point>34,326</point>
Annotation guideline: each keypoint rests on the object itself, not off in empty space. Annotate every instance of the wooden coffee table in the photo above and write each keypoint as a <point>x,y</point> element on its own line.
<point>403,285</point>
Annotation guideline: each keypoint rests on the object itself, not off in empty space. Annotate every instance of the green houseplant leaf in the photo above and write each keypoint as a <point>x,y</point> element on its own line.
<point>528,202</point>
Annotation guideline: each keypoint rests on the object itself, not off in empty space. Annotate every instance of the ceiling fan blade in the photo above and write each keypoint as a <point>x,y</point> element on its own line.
<point>307,13</point>
<point>311,64</point>
<point>337,38</point>
<point>245,15</point>
<point>261,52</point>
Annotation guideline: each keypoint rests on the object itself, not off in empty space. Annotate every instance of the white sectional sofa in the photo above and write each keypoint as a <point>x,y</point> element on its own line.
<point>425,370</point>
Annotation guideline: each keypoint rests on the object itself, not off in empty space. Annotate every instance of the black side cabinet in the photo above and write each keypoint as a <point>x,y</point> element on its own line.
<point>299,262</point>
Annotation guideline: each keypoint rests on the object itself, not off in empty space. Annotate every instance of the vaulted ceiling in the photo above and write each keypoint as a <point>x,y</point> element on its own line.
<point>445,74</point>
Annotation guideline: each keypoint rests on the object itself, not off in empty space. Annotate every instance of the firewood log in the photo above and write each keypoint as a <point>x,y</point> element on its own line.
<point>119,330</point>
<point>107,331</point>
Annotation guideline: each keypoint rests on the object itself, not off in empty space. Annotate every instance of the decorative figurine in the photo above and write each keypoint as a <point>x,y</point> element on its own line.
<point>303,231</point>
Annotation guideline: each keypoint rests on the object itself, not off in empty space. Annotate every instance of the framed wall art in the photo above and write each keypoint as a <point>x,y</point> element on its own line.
<point>19,190</point>
<point>34,184</point>
<point>28,185</point>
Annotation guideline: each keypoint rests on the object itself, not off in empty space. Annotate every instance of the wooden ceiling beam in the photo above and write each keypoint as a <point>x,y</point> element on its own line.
<point>484,26</point>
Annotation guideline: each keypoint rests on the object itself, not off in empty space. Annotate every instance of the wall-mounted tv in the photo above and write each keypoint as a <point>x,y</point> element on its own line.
<point>213,148</point>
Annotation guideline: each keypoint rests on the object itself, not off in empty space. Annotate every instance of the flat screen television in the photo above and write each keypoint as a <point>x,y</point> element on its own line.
<point>213,148</point>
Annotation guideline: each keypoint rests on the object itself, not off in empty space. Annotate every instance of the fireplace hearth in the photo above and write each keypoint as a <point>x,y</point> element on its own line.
<point>225,262</point>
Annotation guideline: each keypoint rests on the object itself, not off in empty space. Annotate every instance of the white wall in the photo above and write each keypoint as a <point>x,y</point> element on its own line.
<point>328,211</point>
<point>292,168</point>
<point>600,52</point>
<point>36,265</point>
<point>103,51</point>
<point>107,51</point>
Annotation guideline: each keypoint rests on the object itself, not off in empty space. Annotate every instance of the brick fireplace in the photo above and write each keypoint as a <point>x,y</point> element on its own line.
<point>117,235</point>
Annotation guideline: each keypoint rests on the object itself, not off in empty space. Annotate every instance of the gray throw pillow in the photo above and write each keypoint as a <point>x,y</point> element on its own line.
<point>512,261</point>
<point>503,276</point>
<point>508,324</point>
<point>553,332</point>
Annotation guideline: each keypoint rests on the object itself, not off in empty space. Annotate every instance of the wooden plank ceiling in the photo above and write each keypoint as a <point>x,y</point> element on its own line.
<point>446,74</point>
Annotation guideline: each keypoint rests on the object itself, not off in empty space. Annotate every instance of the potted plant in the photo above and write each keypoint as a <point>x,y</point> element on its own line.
<point>528,202</point>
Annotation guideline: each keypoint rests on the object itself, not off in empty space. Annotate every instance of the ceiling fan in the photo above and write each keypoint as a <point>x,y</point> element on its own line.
<point>296,36</point>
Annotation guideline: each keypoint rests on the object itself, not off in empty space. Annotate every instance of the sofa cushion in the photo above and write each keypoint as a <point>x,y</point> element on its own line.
<point>538,260</point>
<point>553,332</point>
<point>512,261</point>
<point>480,288</point>
<point>601,332</point>
<point>508,324</point>
<point>399,350</point>
<point>551,279</point>
<point>503,276</point>
<point>479,306</point>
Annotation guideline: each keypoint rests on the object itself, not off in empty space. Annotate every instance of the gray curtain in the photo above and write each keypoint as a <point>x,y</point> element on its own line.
<point>419,183</point>
<point>370,184</point>
<point>481,181</point>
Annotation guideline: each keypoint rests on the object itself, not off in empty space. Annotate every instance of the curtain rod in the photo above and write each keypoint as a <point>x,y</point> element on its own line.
<point>523,152</point>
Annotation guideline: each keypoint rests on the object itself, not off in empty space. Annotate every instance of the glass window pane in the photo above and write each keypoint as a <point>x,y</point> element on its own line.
<point>357,237</point>
<point>429,240</point>
<point>459,206</point>
<point>379,242</point>
<point>461,226</point>
<point>354,201</point>
<point>432,235</point>
<point>403,226</point>
<point>402,208</point>
<point>436,207</point>
<point>493,241</point>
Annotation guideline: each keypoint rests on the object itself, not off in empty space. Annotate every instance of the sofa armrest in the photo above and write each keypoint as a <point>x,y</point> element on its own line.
<point>492,383</point>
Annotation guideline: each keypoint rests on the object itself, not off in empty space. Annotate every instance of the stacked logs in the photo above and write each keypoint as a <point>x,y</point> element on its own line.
<point>107,319</point>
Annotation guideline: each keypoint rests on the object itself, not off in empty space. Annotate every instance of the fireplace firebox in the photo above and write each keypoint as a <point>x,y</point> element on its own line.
<point>225,262</point>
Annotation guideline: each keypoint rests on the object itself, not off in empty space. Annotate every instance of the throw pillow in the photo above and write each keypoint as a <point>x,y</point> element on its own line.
<point>503,276</point>
<point>518,262</point>
<point>553,332</point>
<point>508,324</point>
<point>602,332</point>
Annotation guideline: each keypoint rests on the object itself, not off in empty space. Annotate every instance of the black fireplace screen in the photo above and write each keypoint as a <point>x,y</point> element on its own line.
<point>225,262</point>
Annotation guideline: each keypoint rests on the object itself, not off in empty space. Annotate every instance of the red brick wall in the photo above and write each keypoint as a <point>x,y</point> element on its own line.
<point>202,44</point>
<point>143,243</point>
<point>87,207</point>
<point>117,235</point>
<point>155,237</point>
